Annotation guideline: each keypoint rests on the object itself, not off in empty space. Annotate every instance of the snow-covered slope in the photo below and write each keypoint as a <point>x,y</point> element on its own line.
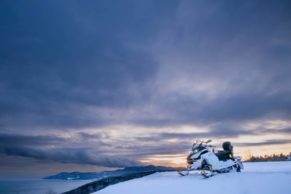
<point>256,178</point>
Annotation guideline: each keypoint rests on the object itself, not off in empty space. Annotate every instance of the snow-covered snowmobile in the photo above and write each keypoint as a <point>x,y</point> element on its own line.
<point>204,159</point>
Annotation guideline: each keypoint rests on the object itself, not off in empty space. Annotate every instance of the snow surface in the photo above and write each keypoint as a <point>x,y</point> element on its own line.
<point>256,178</point>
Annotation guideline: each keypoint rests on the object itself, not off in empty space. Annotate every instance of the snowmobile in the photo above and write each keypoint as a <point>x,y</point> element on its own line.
<point>205,160</point>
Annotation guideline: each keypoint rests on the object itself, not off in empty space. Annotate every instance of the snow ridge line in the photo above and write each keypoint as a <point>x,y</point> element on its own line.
<point>105,182</point>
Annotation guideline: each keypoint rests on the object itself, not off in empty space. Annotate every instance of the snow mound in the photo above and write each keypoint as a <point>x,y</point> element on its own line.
<point>256,178</point>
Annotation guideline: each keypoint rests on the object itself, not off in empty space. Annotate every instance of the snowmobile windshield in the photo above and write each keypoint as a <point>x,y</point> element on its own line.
<point>197,149</point>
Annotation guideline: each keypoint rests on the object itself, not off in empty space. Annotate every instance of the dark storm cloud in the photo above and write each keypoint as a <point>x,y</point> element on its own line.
<point>8,140</point>
<point>64,150</point>
<point>74,65</point>
<point>287,130</point>
<point>56,64</point>
<point>87,136</point>
<point>67,150</point>
<point>72,156</point>
<point>245,64</point>
<point>240,107</point>
<point>24,140</point>
<point>265,143</point>
<point>82,64</point>
<point>141,151</point>
<point>217,133</point>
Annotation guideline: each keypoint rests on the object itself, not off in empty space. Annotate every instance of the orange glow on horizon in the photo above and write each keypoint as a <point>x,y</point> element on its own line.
<point>165,160</point>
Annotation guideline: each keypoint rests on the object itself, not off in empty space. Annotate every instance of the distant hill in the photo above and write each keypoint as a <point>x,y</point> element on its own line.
<point>105,174</point>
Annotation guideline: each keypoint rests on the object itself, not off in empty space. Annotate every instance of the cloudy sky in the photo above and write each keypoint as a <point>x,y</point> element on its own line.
<point>93,85</point>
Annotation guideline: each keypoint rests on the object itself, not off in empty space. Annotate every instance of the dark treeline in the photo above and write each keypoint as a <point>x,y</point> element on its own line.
<point>272,157</point>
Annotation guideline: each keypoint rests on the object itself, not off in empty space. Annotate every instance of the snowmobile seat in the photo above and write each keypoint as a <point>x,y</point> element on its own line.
<point>226,153</point>
<point>223,155</point>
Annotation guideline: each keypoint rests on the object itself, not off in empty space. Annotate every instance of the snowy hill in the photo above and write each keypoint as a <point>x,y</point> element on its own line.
<point>256,178</point>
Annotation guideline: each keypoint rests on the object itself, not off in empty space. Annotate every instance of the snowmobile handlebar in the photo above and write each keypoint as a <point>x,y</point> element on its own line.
<point>208,141</point>
<point>204,143</point>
